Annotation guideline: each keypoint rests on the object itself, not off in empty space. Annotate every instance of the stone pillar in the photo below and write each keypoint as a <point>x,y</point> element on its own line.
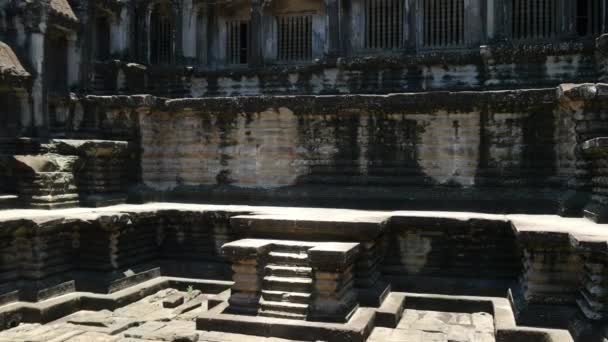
<point>601,56</point>
<point>474,25</point>
<point>36,56</point>
<point>490,19</point>
<point>73,60</point>
<point>332,10</point>
<point>247,263</point>
<point>189,34</point>
<point>25,113</point>
<point>177,36</point>
<point>371,288</point>
<point>596,150</point>
<point>593,300</point>
<point>119,44</point>
<point>256,54</point>
<point>502,19</point>
<point>551,278</point>
<point>334,298</point>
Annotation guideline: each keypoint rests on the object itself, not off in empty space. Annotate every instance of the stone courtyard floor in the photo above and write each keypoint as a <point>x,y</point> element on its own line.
<point>435,326</point>
<point>169,315</point>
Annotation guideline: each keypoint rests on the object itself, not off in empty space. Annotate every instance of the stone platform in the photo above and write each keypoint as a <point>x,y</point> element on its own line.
<point>169,315</point>
<point>550,267</point>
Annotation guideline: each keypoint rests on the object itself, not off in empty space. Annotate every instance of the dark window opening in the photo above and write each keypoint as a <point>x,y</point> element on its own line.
<point>383,24</point>
<point>56,64</point>
<point>295,38</point>
<point>102,38</point>
<point>161,35</point>
<point>534,19</point>
<point>9,114</point>
<point>138,40</point>
<point>237,42</point>
<point>589,17</point>
<point>443,23</point>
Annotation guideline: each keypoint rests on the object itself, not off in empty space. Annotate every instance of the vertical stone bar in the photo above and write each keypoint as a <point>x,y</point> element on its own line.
<point>119,44</point>
<point>73,61</point>
<point>37,33</point>
<point>332,9</point>
<point>256,34</point>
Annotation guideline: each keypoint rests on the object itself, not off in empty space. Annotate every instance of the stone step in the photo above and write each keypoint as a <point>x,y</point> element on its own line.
<point>297,249</point>
<point>280,258</point>
<point>288,271</point>
<point>287,284</point>
<point>286,296</point>
<point>280,314</point>
<point>291,308</point>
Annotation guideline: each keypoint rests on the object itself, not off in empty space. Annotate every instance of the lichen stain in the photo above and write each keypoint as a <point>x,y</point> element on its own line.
<point>414,250</point>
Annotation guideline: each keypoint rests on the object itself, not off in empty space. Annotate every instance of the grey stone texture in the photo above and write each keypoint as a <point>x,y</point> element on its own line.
<point>145,320</point>
<point>140,101</point>
<point>106,250</point>
<point>416,325</point>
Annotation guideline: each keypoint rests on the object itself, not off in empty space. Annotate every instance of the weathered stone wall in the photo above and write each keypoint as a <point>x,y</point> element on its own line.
<point>474,254</point>
<point>49,256</point>
<point>466,140</point>
<point>489,67</point>
<point>542,259</point>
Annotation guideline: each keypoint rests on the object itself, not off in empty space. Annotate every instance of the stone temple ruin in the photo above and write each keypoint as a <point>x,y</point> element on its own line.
<point>304,170</point>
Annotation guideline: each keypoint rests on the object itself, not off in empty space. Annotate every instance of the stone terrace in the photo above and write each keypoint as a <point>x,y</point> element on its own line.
<point>85,259</point>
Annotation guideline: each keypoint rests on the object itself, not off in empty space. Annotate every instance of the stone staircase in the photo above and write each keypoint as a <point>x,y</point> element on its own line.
<point>295,280</point>
<point>287,284</point>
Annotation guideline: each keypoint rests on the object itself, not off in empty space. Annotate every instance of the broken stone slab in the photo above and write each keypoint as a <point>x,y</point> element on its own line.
<point>90,148</point>
<point>33,164</point>
<point>99,321</point>
<point>174,331</point>
<point>247,249</point>
<point>173,301</point>
<point>333,256</point>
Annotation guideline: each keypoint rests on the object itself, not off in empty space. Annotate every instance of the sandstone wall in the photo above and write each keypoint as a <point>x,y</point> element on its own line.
<point>495,66</point>
<point>464,139</point>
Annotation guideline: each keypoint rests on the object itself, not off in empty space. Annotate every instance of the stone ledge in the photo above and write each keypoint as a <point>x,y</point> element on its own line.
<point>357,226</point>
<point>357,329</point>
<point>579,229</point>
<point>506,329</point>
<point>55,308</point>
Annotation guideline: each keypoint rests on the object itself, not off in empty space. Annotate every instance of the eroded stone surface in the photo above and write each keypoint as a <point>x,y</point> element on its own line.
<point>144,320</point>
<point>425,326</point>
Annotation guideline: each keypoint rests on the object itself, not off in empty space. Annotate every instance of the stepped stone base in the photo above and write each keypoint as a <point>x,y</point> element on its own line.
<point>294,280</point>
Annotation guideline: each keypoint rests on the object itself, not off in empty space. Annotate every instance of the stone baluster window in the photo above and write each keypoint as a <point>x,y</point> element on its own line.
<point>534,19</point>
<point>162,31</point>
<point>295,38</point>
<point>384,24</point>
<point>589,15</point>
<point>443,23</point>
<point>237,42</point>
